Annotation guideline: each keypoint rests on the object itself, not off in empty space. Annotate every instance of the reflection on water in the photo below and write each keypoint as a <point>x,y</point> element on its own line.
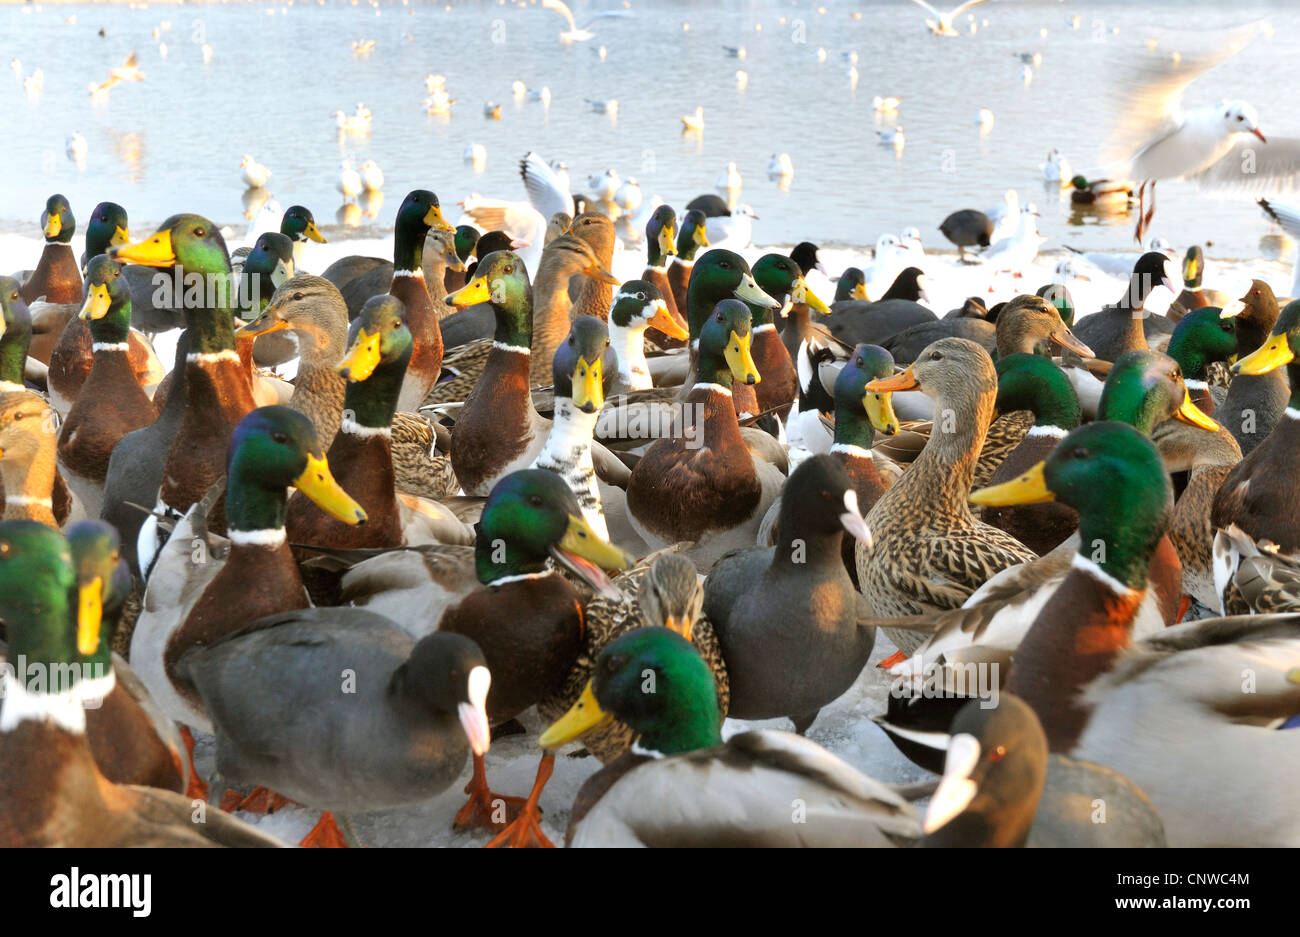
<point>282,83</point>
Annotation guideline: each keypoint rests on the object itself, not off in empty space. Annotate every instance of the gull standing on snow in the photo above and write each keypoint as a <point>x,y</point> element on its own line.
<point>349,182</point>
<point>941,25</point>
<point>1013,254</point>
<point>574,33</point>
<point>372,177</point>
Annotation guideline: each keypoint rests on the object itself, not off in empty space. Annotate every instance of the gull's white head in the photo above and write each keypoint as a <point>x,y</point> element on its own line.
<point>1241,117</point>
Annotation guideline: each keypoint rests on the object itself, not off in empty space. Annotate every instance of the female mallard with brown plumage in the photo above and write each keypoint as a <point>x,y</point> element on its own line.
<point>930,552</point>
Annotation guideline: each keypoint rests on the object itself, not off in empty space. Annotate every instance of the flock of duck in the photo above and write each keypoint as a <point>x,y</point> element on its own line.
<point>638,507</point>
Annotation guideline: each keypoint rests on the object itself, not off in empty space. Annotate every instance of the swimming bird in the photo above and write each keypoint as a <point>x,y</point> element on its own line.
<point>941,24</point>
<point>886,104</point>
<point>729,183</point>
<point>352,124</point>
<point>372,177</point>
<point>575,33</point>
<point>76,148</point>
<point>492,110</point>
<point>891,137</point>
<point>254,174</point>
<point>780,166</point>
<point>349,181</point>
<point>628,195</point>
<point>607,106</point>
<point>984,119</point>
<point>693,121</point>
<point>1056,168</point>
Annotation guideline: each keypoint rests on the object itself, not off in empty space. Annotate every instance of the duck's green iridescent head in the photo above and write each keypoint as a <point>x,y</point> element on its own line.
<point>852,284</point>
<point>580,366</point>
<point>1193,267</point>
<point>1279,349</point>
<point>1145,388</point>
<point>691,235</point>
<point>15,332</point>
<point>108,301</point>
<point>108,228</point>
<point>380,346</point>
<point>501,279</point>
<point>1080,183</point>
<point>57,221</point>
<point>299,224</point>
<point>36,578</point>
<point>1113,476</point>
<point>266,268</point>
<point>655,681</point>
<point>1036,383</point>
<point>718,275</point>
<point>531,515</point>
<point>661,234</point>
<point>271,449</point>
<point>779,276</point>
<point>191,242</point>
<point>1200,337</point>
<point>466,240</point>
<point>859,411</point>
<point>1059,296</point>
<point>103,585</point>
<point>724,352</point>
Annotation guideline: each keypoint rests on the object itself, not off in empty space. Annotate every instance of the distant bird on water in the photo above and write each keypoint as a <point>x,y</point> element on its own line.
<point>941,25</point>
<point>253,173</point>
<point>127,71</point>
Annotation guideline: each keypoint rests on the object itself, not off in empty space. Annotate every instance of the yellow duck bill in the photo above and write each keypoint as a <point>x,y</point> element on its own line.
<point>585,554</point>
<point>318,484</point>
<point>363,357</point>
<point>471,294</point>
<point>1268,357</point>
<point>582,717</point>
<point>156,251</point>
<point>97,302</point>
<point>1193,415</point>
<point>740,360</point>
<point>1029,488</point>
<point>90,615</point>
<point>880,410</point>
<point>588,392</point>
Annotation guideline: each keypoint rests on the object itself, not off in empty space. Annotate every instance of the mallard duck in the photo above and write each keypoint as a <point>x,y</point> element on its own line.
<point>592,295</point>
<point>1124,326</point>
<point>691,236</point>
<point>362,448</point>
<point>681,785</point>
<point>108,228</point>
<point>663,592</point>
<point>114,404</point>
<point>217,390</point>
<point>1101,192</point>
<point>1249,577</point>
<point>15,335</point>
<point>1034,383</point>
<point>52,787</point>
<point>27,457</point>
<point>57,278</point>
<point>781,278</point>
<point>259,271</point>
<point>1185,681</point>
<point>418,212</point>
<point>661,245</point>
<point>638,306</point>
<point>930,552</point>
<point>191,601</point>
<point>131,740</point>
<point>569,259</point>
<point>440,259</point>
<point>787,616</point>
<point>1202,337</point>
<point>852,284</point>
<point>704,485</point>
<point>856,321</point>
<point>1194,296</point>
<point>1001,787</point>
<point>1207,458</point>
<point>299,224</point>
<point>399,735</point>
<point>1255,402</point>
<point>1258,494</point>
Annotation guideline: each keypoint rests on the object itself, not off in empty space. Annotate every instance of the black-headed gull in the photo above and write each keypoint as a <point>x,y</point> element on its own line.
<point>582,33</point>
<point>1288,218</point>
<point>941,25</point>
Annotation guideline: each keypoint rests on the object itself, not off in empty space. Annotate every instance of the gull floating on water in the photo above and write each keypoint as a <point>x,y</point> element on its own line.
<point>729,182</point>
<point>941,25</point>
<point>476,155</point>
<point>253,173</point>
<point>891,137</point>
<point>742,79</point>
<point>542,94</point>
<point>372,177</point>
<point>736,52</point>
<point>1057,168</point>
<point>349,181</point>
<point>984,118</point>
<point>580,34</point>
<point>694,121</point>
<point>780,166</point>
<point>434,83</point>
<point>609,106</point>
<point>351,124</point>
<point>492,110</point>
<point>886,105</point>
<point>35,82</point>
<point>76,149</point>
<point>439,102</point>
<point>363,46</point>
<point>518,88</point>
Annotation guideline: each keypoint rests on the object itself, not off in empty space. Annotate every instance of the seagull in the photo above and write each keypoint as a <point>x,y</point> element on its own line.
<point>731,232</point>
<point>1288,218</point>
<point>693,122</point>
<point>542,94</point>
<point>434,83</point>
<point>891,137</point>
<point>780,166</point>
<point>76,149</point>
<point>518,88</point>
<point>886,105</point>
<point>941,25</point>
<point>628,197</point>
<point>736,52</point>
<point>984,118</point>
<point>1217,146</point>
<point>206,52</point>
<point>603,107</point>
<point>353,124</point>
<point>127,71</point>
<point>254,173</point>
<point>525,222</point>
<point>911,242</point>
<point>17,67</point>
<point>1013,254</point>
<point>439,102</point>
<point>1057,168</point>
<point>34,82</point>
<point>476,155</point>
<point>363,46</point>
<point>742,79</point>
<point>573,33</point>
<point>605,185</point>
<point>1005,216</point>
<point>349,181</point>
<point>729,181</point>
<point>372,177</point>
<point>492,110</point>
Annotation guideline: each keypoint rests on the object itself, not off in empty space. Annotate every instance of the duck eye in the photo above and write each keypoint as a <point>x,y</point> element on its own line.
<point>614,663</point>
<point>535,500</point>
<point>509,269</point>
<point>199,232</point>
<point>641,296</point>
<point>280,437</point>
<point>18,416</point>
<point>1080,452</point>
<point>297,297</point>
<point>5,549</point>
<point>998,753</point>
<point>936,356</point>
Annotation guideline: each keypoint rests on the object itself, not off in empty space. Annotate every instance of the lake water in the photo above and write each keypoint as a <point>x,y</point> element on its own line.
<point>277,73</point>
